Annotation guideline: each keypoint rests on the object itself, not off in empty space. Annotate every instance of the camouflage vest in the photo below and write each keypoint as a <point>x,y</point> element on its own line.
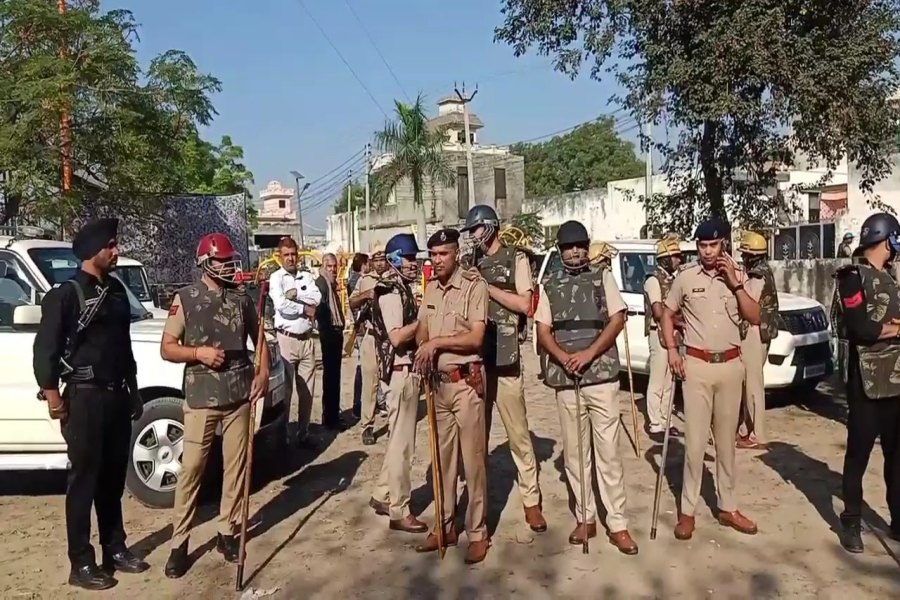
<point>501,344</point>
<point>879,364</point>
<point>215,318</point>
<point>578,305</point>
<point>665,284</point>
<point>768,304</point>
<point>384,349</point>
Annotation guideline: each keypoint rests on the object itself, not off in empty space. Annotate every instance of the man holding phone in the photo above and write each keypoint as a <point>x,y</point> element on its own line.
<point>713,301</point>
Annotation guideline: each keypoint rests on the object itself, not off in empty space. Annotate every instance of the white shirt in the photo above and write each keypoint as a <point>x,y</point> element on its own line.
<point>290,315</point>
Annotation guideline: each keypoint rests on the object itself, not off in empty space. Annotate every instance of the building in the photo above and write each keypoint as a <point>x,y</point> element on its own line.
<point>277,216</point>
<point>499,179</point>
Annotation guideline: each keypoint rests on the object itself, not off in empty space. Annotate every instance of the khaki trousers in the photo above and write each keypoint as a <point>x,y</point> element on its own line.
<point>300,354</point>
<point>600,424</point>
<point>753,404</point>
<point>368,362</point>
<point>507,392</point>
<point>712,395</point>
<point>393,486</point>
<point>659,388</point>
<point>199,432</point>
<point>460,428</point>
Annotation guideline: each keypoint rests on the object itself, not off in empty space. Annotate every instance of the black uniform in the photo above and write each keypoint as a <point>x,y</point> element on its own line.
<point>331,339</point>
<point>98,426</point>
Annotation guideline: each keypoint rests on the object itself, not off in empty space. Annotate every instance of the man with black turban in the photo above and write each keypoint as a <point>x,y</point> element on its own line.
<point>84,340</point>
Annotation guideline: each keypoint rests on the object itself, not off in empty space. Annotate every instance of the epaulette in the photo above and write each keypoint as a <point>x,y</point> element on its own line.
<point>471,274</point>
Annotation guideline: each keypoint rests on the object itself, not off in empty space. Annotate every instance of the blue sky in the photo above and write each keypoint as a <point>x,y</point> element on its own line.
<point>293,105</point>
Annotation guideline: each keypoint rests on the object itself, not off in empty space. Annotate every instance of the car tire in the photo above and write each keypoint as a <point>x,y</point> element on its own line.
<point>154,457</point>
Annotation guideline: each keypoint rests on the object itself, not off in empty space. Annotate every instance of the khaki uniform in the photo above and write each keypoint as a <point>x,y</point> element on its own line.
<point>600,425</point>
<point>753,354</point>
<point>662,379</point>
<point>368,358</point>
<point>451,310</point>
<point>506,389</point>
<point>712,391</point>
<point>402,395</point>
<point>200,426</point>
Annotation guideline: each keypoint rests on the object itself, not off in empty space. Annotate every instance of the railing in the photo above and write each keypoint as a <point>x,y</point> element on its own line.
<point>807,241</point>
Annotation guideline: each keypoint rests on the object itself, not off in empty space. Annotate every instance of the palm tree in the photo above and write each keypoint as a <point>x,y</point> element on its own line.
<point>415,153</point>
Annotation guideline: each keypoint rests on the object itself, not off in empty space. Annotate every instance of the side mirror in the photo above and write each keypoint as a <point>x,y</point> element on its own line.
<point>26,318</point>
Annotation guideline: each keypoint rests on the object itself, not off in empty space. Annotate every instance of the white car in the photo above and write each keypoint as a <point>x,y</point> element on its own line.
<point>30,440</point>
<point>801,354</point>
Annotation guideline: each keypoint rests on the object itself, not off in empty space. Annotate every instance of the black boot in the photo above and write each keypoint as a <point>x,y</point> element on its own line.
<point>228,546</point>
<point>91,577</point>
<point>851,534</point>
<point>368,437</point>
<point>177,565</point>
<point>123,561</point>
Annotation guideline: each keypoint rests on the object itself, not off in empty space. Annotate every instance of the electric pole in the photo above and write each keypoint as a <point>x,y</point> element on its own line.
<point>648,176</point>
<point>470,169</point>
<point>299,192</point>
<point>65,124</point>
<point>368,194</point>
<point>349,210</point>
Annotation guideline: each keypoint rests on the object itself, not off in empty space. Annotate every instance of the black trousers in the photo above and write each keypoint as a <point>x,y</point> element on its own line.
<point>332,354</point>
<point>98,433</point>
<point>867,420</point>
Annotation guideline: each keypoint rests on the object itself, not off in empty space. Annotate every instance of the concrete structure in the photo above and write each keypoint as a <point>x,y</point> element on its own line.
<point>499,180</point>
<point>277,216</point>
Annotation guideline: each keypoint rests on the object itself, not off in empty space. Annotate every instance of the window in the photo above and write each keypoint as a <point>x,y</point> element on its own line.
<point>133,277</point>
<point>814,207</point>
<point>499,184</point>
<point>16,287</point>
<point>635,268</point>
<point>550,234</point>
<point>462,192</point>
<point>282,203</point>
<point>461,137</point>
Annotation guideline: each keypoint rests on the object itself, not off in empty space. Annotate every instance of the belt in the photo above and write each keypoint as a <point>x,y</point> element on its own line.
<point>291,334</point>
<point>401,368</point>
<point>98,385</point>
<point>458,373</point>
<point>713,357</point>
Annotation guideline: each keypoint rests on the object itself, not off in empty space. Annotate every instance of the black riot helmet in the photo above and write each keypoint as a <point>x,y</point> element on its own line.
<point>481,215</point>
<point>878,228</point>
<point>573,235</point>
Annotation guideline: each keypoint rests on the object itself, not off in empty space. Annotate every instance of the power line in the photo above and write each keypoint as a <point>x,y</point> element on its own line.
<point>337,177</point>
<point>567,129</point>
<point>340,166</point>
<point>377,51</point>
<point>341,56</point>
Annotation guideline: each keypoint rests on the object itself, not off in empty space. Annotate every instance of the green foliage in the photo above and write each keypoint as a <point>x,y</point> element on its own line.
<point>587,157</point>
<point>531,225</point>
<point>132,131</point>
<point>746,89</point>
<point>357,198</point>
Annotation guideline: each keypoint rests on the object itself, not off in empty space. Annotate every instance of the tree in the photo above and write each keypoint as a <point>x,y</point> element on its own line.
<point>587,157</point>
<point>217,170</point>
<point>416,154</point>
<point>530,224</point>
<point>128,127</point>
<point>746,88</point>
<point>357,198</point>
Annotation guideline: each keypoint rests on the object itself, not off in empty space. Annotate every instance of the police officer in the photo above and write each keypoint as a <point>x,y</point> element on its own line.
<point>662,380</point>
<point>844,249</point>
<point>450,335</point>
<point>578,318</point>
<point>870,328</point>
<point>394,324</point>
<point>508,275</point>
<point>756,338</point>
<point>712,297</point>
<point>364,295</point>
<point>100,399</point>
<point>209,324</point>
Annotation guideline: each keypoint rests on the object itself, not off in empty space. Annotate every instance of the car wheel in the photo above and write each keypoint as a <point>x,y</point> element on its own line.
<point>154,464</point>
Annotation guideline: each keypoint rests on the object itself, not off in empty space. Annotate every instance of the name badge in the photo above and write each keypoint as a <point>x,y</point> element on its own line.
<point>698,290</point>
<point>430,306</point>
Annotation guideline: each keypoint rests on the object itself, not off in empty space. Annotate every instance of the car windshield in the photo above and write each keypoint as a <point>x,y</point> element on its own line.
<point>59,264</point>
<point>133,277</point>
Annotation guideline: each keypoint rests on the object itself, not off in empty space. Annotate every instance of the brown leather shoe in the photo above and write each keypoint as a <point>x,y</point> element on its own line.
<point>535,519</point>
<point>685,527</point>
<point>477,551</point>
<point>382,509</point>
<point>737,521</point>
<point>431,542</point>
<point>623,541</point>
<point>409,524</point>
<point>577,535</point>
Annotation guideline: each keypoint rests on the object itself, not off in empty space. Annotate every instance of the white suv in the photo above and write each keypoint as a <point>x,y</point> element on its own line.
<point>801,354</point>
<point>30,440</point>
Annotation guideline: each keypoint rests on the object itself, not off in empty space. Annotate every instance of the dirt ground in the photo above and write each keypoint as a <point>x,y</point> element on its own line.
<point>315,537</point>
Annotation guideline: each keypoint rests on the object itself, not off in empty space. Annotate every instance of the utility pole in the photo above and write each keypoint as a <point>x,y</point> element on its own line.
<point>470,169</point>
<point>368,193</point>
<point>65,124</point>
<point>349,210</point>
<point>648,175</point>
<point>299,192</point>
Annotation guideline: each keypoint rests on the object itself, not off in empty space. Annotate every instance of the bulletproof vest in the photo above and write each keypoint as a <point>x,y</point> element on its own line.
<point>385,351</point>
<point>578,305</point>
<point>879,364</point>
<point>768,304</point>
<point>665,284</point>
<point>501,344</point>
<point>215,318</point>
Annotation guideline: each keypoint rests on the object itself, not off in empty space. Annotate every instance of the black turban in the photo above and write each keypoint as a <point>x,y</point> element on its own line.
<point>93,237</point>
